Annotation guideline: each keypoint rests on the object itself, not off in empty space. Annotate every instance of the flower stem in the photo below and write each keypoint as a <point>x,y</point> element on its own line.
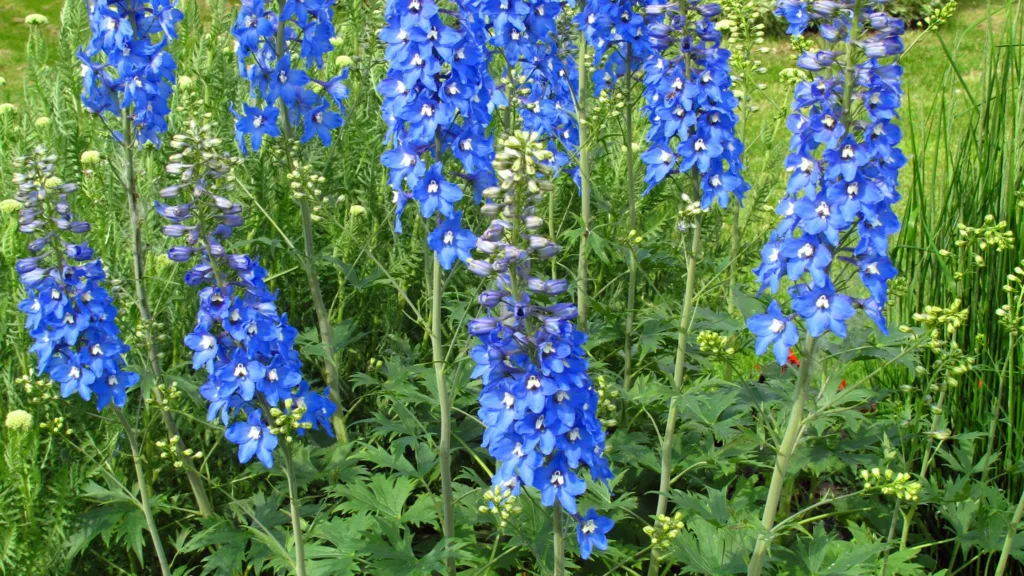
<point>559,541</point>
<point>1011,532</point>
<point>685,320</point>
<point>142,299</point>
<point>581,116</point>
<point>293,501</point>
<point>445,442</point>
<point>323,318</point>
<point>926,460</point>
<point>627,375</point>
<point>140,475</point>
<point>896,513</point>
<point>786,450</point>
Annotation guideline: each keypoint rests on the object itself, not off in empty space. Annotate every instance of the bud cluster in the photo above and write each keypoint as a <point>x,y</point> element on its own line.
<point>665,530</point>
<point>502,503</point>
<point>891,483</point>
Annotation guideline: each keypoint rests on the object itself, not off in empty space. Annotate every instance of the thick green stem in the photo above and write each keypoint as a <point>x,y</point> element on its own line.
<point>445,442</point>
<point>888,539</point>
<point>584,151</point>
<point>147,510</point>
<point>559,541</point>
<point>293,503</point>
<point>990,447</point>
<point>782,459</point>
<point>142,299</point>
<point>627,376</point>
<point>323,318</point>
<point>685,319</point>
<point>1011,532</point>
<point>926,460</point>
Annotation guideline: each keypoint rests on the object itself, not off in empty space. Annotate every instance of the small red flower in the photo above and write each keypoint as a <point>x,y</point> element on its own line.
<point>793,359</point>
<point>980,384</point>
<point>842,384</point>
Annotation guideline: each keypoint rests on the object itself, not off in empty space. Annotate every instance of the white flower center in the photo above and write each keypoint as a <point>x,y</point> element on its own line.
<point>433,187</point>
<point>272,375</point>
<point>532,383</point>
<point>823,210</point>
<point>257,121</point>
<point>255,432</point>
<point>509,400</point>
<point>777,325</point>
<point>699,145</point>
<point>805,251</point>
<point>774,256</point>
<point>852,189</point>
<point>557,479</point>
<point>871,268</point>
<point>847,152</point>
<point>574,434</point>
<point>74,373</point>
<point>589,527</point>
<point>96,350</point>
<point>822,302</point>
<point>427,110</point>
<point>449,237</point>
<point>207,342</point>
<point>241,371</point>
<point>665,157</point>
<point>806,165</point>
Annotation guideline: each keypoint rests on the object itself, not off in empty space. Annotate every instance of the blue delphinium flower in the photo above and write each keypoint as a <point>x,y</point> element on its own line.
<point>245,345</point>
<point>592,532</point>
<point>438,97</point>
<point>537,402</point>
<point>126,65</point>
<point>281,54</point>
<point>615,29</point>
<point>69,313</point>
<point>688,90</point>
<point>844,166</point>
<point>539,61</point>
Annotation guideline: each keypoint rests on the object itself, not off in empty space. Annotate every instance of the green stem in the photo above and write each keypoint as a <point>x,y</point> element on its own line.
<point>685,320</point>
<point>142,300</point>
<point>924,462</point>
<point>1008,367</point>
<point>888,539</point>
<point>786,451</point>
<point>1011,532</point>
<point>581,116</point>
<point>445,442</point>
<point>323,318</point>
<point>293,501</point>
<point>147,510</point>
<point>627,377</point>
<point>559,541</point>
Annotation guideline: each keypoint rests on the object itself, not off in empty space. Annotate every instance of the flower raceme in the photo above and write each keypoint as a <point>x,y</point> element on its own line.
<point>690,104</point>
<point>126,65</point>
<point>615,29</point>
<point>537,401</point>
<point>69,314</point>
<point>843,174</point>
<point>438,97</point>
<point>240,339</point>
<point>280,55</point>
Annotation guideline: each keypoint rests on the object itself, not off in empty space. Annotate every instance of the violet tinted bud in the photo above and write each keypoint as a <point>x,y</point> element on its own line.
<point>32,278</point>
<point>490,298</point>
<point>78,252</point>
<point>222,203</point>
<point>538,242</point>
<point>533,222</point>
<point>491,209</point>
<point>824,8</point>
<point>174,230</point>
<point>25,265</point>
<point>80,227</point>
<point>486,246</point>
<point>482,326</point>
<point>479,267</point>
<point>170,191</point>
<point>817,60</point>
<point>39,243</point>
<point>534,284</point>
<point>708,10</point>
<point>883,48</point>
<point>547,251</point>
<point>500,265</point>
<point>564,310</point>
<point>180,253</point>
<point>555,287</point>
<point>831,33</point>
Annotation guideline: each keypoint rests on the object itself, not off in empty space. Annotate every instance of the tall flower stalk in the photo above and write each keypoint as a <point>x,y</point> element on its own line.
<point>280,53</point>
<point>69,312</point>
<point>844,170</point>
<point>128,76</point>
<point>438,98</point>
<point>254,385</point>
<point>537,401</point>
<point>691,107</point>
<point>619,35</point>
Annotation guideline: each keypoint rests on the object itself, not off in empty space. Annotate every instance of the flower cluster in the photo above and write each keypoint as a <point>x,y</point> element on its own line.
<point>539,74</point>
<point>843,174</point>
<point>245,345</point>
<point>71,316</point>
<point>438,97</point>
<point>278,54</point>
<point>615,29</point>
<point>537,401</point>
<point>126,65</point>
<point>688,89</point>
<point>891,483</point>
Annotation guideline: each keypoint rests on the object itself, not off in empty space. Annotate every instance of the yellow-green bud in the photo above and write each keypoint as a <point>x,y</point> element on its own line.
<point>18,420</point>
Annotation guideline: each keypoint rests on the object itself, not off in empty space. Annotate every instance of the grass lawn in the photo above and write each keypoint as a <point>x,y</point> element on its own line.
<point>14,35</point>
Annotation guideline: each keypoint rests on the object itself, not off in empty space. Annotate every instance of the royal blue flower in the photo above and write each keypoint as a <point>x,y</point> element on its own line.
<point>592,532</point>
<point>127,64</point>
<point>537,402</point>
<point>844,165</point>
<point>688,90</point>
<point>281,55</point>
<point>245,346</point>
<point>773,330</point>
<point>69,314</point>
<point>450,241</point>
<point>253,438</point>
